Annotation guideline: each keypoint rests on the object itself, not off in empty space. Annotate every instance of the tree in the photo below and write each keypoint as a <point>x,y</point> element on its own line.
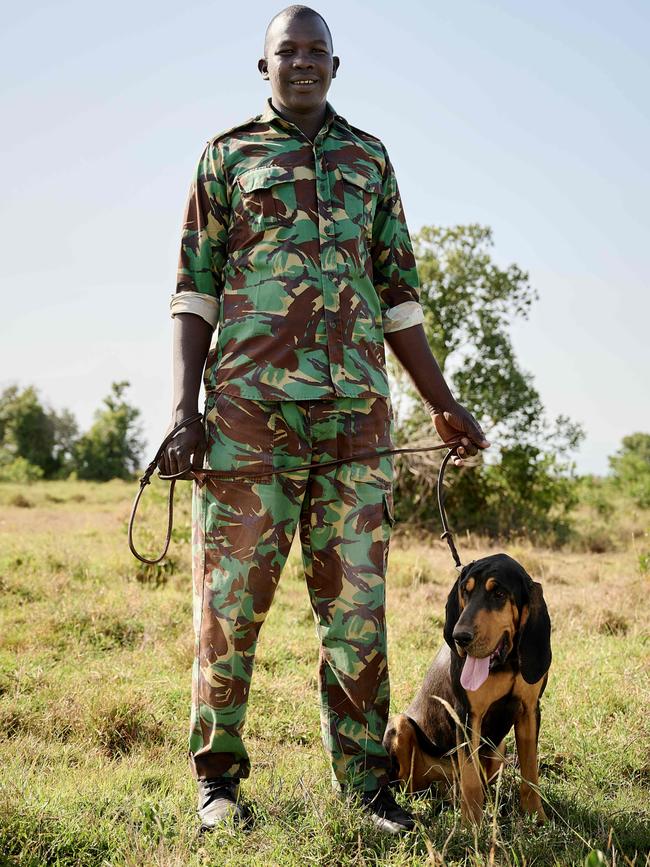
<point>469,303</point>
<point>35,440</point>
<point>113,446</point>
<point>25,429</point>
<point>66,434</point>
<point>630,467</point>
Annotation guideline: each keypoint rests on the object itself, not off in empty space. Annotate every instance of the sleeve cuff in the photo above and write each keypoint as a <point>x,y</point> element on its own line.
<point>201,305</point>
<point>403,315</point>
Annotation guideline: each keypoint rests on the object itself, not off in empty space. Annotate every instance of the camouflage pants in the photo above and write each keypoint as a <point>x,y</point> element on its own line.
<point>242,533</point>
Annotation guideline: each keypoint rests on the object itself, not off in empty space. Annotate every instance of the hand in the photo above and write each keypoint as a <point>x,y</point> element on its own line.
<point>185,451</point>
<point>458,422</point>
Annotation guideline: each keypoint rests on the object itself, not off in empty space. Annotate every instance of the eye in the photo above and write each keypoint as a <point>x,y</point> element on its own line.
<point>499,594</point>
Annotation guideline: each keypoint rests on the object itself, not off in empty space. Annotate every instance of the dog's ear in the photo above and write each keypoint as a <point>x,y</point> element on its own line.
<point>452,609</point>
<point>534,647</point>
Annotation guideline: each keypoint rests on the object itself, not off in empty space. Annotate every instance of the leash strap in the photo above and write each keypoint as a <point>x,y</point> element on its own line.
<point>146,480</point>
<point>447,535</point>
<point>201,476</point>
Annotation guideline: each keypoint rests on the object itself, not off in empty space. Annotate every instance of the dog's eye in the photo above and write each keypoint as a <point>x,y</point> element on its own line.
<point>499,594</point>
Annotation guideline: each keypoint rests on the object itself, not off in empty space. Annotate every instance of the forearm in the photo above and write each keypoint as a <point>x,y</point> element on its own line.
<point>192,336</point>
<point>411,348</point>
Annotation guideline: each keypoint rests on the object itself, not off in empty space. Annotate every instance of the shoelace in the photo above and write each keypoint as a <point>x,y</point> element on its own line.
<point>214,789</point>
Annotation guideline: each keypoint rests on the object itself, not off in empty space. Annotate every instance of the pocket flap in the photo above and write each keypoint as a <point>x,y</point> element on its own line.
<point>364,177</point>
<point>266,176</point>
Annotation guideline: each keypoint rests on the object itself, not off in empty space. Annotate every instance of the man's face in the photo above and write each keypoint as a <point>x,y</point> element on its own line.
<point>299,63</point>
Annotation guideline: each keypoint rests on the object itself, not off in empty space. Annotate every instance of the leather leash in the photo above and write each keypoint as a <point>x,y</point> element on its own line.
<point>200,475</point>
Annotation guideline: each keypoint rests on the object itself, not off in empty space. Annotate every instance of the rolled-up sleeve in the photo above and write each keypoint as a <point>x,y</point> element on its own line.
<point>395,273</point>
<point>204,240</point>
<point>201,305</point>
<point>405,315</point>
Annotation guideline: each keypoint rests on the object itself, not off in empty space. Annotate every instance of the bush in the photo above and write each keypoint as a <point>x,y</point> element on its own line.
<point>20,470</point>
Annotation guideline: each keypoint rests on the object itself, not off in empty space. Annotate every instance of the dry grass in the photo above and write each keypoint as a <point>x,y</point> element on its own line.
<point>94,690</point>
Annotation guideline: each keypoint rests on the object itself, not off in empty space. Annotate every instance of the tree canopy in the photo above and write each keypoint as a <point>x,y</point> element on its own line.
<point>112,448</point>
<point>469,305</point>
<point>37,442</point>
<point>630,467</point>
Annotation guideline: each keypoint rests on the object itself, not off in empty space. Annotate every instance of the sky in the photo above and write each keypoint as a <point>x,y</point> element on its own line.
<point>531,118</point>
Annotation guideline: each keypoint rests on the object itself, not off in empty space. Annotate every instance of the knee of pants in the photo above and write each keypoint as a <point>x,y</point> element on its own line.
<point>352,649</point>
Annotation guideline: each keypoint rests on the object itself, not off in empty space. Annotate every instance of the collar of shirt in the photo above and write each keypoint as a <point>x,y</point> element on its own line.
<point>272,115</point>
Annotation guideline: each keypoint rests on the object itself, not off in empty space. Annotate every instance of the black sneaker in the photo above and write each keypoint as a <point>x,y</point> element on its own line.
<point>385,812</point>
<point>218,803</point>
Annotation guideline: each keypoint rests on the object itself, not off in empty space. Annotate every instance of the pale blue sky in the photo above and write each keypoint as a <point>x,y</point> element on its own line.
<point>530,117</point>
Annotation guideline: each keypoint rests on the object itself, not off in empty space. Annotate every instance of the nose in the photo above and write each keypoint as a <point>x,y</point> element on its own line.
<point>463,635</point>
<point>303,60</point>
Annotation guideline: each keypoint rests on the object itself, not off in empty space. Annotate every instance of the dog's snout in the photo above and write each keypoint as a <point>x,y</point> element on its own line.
<point>463,635</point>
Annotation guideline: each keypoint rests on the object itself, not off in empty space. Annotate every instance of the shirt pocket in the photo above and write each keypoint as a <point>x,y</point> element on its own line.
<point>267,199</point>
<point>360,195</point>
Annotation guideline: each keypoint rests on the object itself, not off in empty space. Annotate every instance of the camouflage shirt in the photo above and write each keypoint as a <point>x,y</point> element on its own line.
<point>302,248</point>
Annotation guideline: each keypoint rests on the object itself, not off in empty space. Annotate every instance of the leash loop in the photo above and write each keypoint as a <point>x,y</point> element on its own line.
<point>145,480</point>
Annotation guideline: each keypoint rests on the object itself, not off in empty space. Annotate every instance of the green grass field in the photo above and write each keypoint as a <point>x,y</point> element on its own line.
<point>95,656</point>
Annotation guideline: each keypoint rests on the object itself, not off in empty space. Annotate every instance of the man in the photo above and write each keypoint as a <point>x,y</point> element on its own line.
<point>295,244</point>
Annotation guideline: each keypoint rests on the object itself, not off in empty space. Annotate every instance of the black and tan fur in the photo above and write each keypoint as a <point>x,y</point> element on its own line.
<point>494,603</point>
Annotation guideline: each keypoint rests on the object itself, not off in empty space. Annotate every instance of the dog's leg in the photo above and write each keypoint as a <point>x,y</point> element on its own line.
<point>472,793</point>
<point>492,760</point>
<point>526,734</point>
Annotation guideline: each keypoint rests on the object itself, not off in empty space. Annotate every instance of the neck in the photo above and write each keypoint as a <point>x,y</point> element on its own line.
<point>309,122</point>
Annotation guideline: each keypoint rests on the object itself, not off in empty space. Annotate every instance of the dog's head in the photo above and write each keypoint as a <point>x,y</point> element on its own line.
<point>493,610</point>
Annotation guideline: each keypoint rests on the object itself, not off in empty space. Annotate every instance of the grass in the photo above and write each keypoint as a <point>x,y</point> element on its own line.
<point>95,656</point>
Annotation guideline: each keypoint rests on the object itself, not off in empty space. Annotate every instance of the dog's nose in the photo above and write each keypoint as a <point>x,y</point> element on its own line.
<point>463,635</point>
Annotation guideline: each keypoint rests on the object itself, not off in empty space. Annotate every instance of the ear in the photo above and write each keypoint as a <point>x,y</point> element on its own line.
<point>335,65</point>
<point>534,647</point>
<point>452,608</point>
<point>452,613</point>
<point>263,67</point>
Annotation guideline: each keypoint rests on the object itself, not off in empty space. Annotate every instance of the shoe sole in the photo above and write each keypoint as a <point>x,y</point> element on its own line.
<point>389,826</point>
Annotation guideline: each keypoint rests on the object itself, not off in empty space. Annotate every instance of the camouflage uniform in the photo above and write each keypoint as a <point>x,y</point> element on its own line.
<point>300,253</point>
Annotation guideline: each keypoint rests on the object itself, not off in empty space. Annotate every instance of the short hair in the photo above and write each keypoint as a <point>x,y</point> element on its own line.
<point>292,12</point>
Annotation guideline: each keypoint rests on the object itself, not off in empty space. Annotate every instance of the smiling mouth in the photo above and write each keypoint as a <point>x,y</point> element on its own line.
<point>304,82</point>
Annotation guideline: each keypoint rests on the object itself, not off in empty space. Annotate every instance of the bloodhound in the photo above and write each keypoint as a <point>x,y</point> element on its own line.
<point>490,674</point>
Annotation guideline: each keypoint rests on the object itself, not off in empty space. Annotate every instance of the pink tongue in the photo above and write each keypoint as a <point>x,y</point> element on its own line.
<point>475,672</point>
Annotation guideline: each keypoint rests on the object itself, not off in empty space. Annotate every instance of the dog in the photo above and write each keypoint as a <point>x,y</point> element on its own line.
<point>487,677</point>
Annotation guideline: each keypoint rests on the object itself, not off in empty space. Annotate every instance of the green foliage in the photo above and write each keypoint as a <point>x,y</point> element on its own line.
<point>527,492</point>
<point>20,470</point>
<point>113,447</point>
<point>469,303</point>
<point>631,468</point>
<point>35,441</point>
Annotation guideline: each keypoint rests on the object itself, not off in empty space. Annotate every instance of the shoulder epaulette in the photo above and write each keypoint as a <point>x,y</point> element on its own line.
<point>364,134</point>
<point>227,132</point>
